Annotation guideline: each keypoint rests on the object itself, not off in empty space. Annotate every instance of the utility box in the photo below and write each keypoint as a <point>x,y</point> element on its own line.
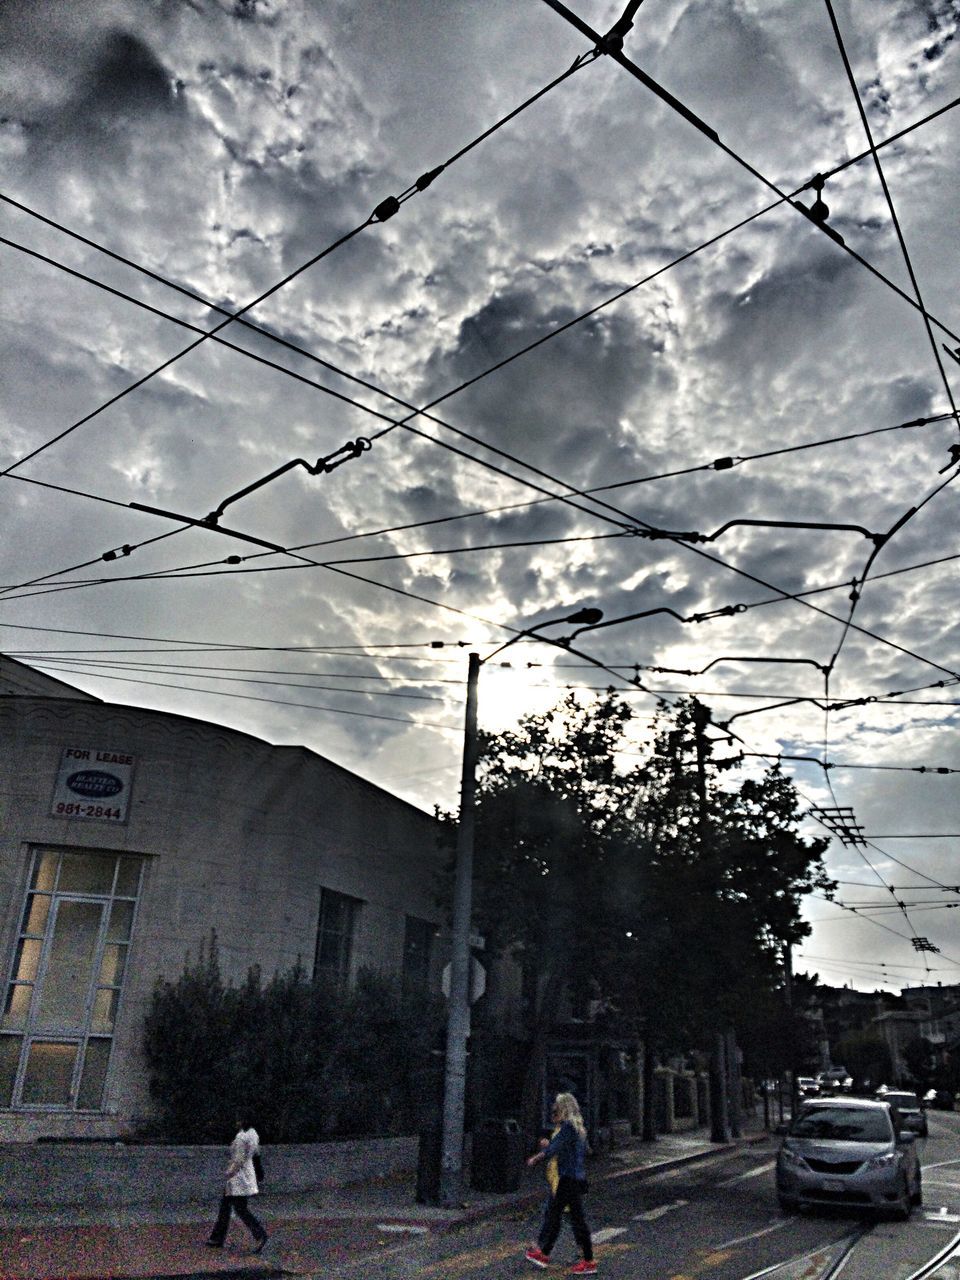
<point>498,1149</point>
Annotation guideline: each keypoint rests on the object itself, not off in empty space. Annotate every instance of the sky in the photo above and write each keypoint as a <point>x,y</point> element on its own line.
<point>660,303</point>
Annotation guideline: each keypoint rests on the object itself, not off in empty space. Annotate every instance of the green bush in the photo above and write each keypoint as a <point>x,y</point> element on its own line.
<point>307,1059</point>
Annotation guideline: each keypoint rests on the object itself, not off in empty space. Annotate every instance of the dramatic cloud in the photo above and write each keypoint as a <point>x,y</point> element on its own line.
<point>226,146</point>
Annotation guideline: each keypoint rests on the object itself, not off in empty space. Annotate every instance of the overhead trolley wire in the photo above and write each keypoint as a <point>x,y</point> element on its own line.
<point>678,106</point>
<point>385,210</point>
<point>708,557</point>
<point>890,205</point>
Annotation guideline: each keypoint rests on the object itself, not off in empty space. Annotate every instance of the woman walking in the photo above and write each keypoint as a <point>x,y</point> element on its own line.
<point>569,1146</point>
<point>241,1183</point>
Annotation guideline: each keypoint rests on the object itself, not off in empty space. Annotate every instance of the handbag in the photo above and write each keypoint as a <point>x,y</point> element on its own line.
<point>258,1168</point>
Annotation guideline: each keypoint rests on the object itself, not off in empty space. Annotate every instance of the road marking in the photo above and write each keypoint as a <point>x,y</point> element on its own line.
<point>751,1173</point>
<point>754,1235</point>
<point>942,1216</point>
<point>942,1164</point>
<point>607,1233</point>
<point>653,1214</point>
<point>403,1226</point>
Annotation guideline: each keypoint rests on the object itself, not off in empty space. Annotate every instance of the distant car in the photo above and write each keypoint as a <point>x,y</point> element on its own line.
<point>846,1151</point>
<point>912,1115</point>
<point>943,1100</point>
<point>807,1087</point>
<point>835,1080</point>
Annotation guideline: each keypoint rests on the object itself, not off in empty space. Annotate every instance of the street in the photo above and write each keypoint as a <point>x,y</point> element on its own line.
<point>717,1218</point>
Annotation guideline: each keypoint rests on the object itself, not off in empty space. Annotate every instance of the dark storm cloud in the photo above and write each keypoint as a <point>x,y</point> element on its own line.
<point>119,83</point>
<point>563,402</point>
<point>762,323</point>
<point>225,145</point>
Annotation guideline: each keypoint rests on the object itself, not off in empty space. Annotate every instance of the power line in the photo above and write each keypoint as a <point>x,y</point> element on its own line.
<point>890,205</point>
<point>714,137</point>
<point>385,210</point>
<point>246,697</point>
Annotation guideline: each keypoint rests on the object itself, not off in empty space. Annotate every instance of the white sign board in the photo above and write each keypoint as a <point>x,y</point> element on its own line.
<point>478,979</point>
<point>93,785</point>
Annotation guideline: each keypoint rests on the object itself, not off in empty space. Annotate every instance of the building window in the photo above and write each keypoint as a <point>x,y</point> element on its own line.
<point>66,979</point>
<point>418,938</point>
<point>338,919</point>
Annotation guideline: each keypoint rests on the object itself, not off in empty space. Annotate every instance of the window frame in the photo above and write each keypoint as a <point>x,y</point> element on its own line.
<point>30,1031</point>
<point>341,971</point>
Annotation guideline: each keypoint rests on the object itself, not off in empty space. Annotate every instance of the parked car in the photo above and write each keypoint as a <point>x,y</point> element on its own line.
<point>846,1151</point>
<point>912,1114</point>
<point>835,1080</point>
<point>943,1100</point>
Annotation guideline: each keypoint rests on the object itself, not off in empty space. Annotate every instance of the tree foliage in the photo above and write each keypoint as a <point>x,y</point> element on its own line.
<point>664,887</point>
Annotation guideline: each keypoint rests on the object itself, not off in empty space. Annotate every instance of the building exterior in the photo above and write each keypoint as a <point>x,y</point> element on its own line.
<point>126,837</point>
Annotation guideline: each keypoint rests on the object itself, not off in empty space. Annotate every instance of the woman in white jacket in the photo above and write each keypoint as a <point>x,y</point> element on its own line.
<point>241,1183</point>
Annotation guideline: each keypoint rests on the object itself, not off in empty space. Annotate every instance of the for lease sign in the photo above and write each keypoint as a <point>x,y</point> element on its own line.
<point>93,784</point>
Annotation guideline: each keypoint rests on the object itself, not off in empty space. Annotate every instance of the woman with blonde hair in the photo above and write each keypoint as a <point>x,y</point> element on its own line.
<point>569,1146</point>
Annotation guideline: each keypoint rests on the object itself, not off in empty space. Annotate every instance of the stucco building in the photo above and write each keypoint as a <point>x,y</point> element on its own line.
<point>126,836</point>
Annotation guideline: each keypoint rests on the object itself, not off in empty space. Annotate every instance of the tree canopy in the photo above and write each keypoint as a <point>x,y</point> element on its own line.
<point>661,884</point>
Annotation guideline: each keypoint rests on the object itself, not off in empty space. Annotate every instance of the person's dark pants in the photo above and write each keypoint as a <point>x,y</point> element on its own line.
<point>567,1197</point>
<point>238,1204</point>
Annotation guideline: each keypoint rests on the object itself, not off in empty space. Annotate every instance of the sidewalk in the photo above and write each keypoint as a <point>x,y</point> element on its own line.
<point>308,1233</point>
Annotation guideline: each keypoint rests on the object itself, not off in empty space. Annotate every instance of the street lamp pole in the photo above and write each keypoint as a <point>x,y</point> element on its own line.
<point>458,1008</point>
<point>458,1005</point>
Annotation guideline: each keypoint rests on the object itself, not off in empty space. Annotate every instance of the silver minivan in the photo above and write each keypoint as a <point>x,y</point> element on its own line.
<point>845,1151</point>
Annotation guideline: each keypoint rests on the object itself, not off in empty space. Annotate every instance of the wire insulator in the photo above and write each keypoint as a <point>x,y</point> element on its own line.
<point>426,178</point>
<point>386,209</point>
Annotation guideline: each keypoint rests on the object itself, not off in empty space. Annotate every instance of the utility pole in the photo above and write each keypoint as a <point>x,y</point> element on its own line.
<point>719,1064</point>
<point>788,988</point>
<point>458,1006</point>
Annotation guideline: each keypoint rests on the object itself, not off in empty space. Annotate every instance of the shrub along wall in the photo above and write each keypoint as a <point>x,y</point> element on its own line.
<point>305,1059</point>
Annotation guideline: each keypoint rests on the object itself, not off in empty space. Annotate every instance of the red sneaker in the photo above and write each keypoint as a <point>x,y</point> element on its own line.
<point>537,1257</point>
<point>584,1268</point>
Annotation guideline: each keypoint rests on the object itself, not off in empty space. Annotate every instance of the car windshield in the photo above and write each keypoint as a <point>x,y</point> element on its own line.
<point>843,1124</point>
<point>904,1101</point>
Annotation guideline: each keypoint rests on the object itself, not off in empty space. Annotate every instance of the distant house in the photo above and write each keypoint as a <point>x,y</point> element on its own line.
<point>127,836</point>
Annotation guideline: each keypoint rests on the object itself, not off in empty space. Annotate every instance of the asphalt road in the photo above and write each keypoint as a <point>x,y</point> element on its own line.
<point>716,1219</point>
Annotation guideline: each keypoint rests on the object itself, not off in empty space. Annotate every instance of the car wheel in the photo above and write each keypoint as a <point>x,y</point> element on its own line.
<point>787,1206</point>
<point>917,1197</point>
<point>903,1210</point>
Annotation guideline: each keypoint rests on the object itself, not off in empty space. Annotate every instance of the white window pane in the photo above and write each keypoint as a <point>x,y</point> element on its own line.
<point>121,920</point>
<point>49,1073</point>
<point>17,1008</point>
<point>9,1061</point>
<point>90,1097</point>
<point>87,873</point>
<point>104,1010</point>
<point>28,959</point>
<point>35,916</point>
<point>69,975</point>
<point>128,877</point>
<point>45,872</point>
<point>111,967</point>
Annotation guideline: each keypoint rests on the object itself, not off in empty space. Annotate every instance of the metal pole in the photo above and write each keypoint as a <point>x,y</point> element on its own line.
<point>458,1006</point>
<point>788,987</point>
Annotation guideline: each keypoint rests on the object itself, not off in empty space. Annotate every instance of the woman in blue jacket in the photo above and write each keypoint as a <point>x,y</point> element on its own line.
<point>569,1146</point>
